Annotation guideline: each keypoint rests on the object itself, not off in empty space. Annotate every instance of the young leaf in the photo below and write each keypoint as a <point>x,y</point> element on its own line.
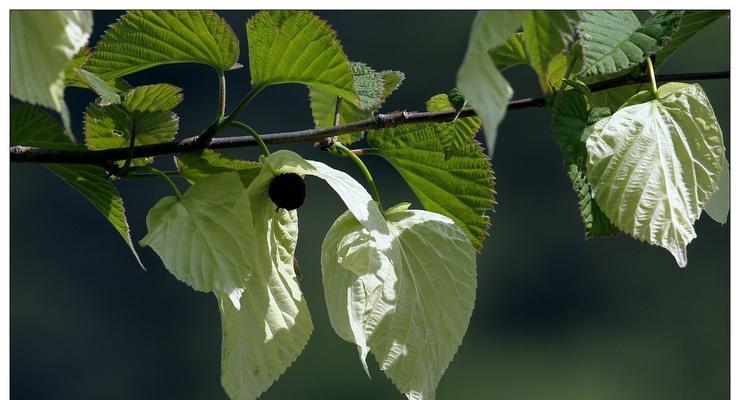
<point>31,126</point>
<point>145,39</point>
<point>460,187</point>
<point>112,126</point>
<point>410,310</point>
<point>454,135</point>
<point>270,330</point>
<point>546,33</point>
<point>372,87</point>
<point>206,238</point>
<point>511,53</point>
<point>108,94</point>
<point>478,78</point>
<point>152,98</point>
<point>144,112</point>
<point>41,45</point>
<point>719,204</point>
<point>691,23</point>
<point>570,118</point>
<point>298,47</point>
<point>653,166</point>
<point>614,41</point>
<point>204,163</point>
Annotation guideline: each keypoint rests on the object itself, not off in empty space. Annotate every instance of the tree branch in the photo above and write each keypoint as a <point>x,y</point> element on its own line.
<point>105,157</point>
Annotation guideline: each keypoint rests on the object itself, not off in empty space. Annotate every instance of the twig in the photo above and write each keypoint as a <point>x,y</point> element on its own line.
<point>105,157</point>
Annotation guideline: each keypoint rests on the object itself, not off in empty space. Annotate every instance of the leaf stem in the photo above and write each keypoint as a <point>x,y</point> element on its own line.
<point>254,134</point>
<point>368,177</point>
<point>651,72</point>
<point>567,74</point>
<point>221,97</point>
<point>165,177</point>
<point>145,175</point>
<point>239,107</point>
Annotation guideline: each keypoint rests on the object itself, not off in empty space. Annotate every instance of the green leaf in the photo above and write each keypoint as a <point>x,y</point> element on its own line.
<point>152,98</point>
<point>145,113</point>
<point>145,39</point>
<point>204,163</point>
<point>718,207</point>
<point>206,238</point>
<point>108,95</point>
<point>460,187</point>
<point>298,47</point>
<point>478,78</point>
<point>614,41</point>
<point>267,334</point>
<point>372,87</point>
<point>614,98</point>
<point>454,135</point>
<point>77,62</point>
<point>410,310</point>
<point>570,118</point>
<point>41,45</point>
<point>653,166</point>
<point>691,23</point>
<point>511,53</point>
<point>546,34</point>
<point>31,126</point>
<point>111,127</point>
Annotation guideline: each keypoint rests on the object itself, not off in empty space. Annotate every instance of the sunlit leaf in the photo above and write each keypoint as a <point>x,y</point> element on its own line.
<point>546,33</point>
<point>373,88</point>
<point>511,53</point>
<point>478,78</point>
<point>144,112</point>
<point>108,95</point>
<point>653,166</point>
<point>41,45</point>
<point>205,239</point>
<point>614,41</point>
<point>143,39</point>
<point>298,47</point>
<point>460,187</point>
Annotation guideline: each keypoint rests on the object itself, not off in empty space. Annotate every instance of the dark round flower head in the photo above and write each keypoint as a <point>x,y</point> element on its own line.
<point>287,191</point>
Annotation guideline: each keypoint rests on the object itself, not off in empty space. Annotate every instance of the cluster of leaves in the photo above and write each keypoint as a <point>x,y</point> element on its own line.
<point>394,278</point>
<point>399,283</point>
<point>642,162</point>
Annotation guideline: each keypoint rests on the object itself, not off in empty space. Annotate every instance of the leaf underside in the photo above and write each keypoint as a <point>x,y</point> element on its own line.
<point>653,166</point>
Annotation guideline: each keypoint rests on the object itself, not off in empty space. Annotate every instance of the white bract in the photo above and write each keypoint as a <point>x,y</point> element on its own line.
<point>412,307</point>
<point>41,44</point>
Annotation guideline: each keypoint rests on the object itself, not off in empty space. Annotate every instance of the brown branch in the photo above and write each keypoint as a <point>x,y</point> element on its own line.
<point>195,143</point>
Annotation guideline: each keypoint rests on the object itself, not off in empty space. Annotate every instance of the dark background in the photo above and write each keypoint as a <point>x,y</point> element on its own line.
<point>556,317</point>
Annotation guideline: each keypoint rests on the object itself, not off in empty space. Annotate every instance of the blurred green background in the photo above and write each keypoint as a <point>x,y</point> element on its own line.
<point>556,317</point>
